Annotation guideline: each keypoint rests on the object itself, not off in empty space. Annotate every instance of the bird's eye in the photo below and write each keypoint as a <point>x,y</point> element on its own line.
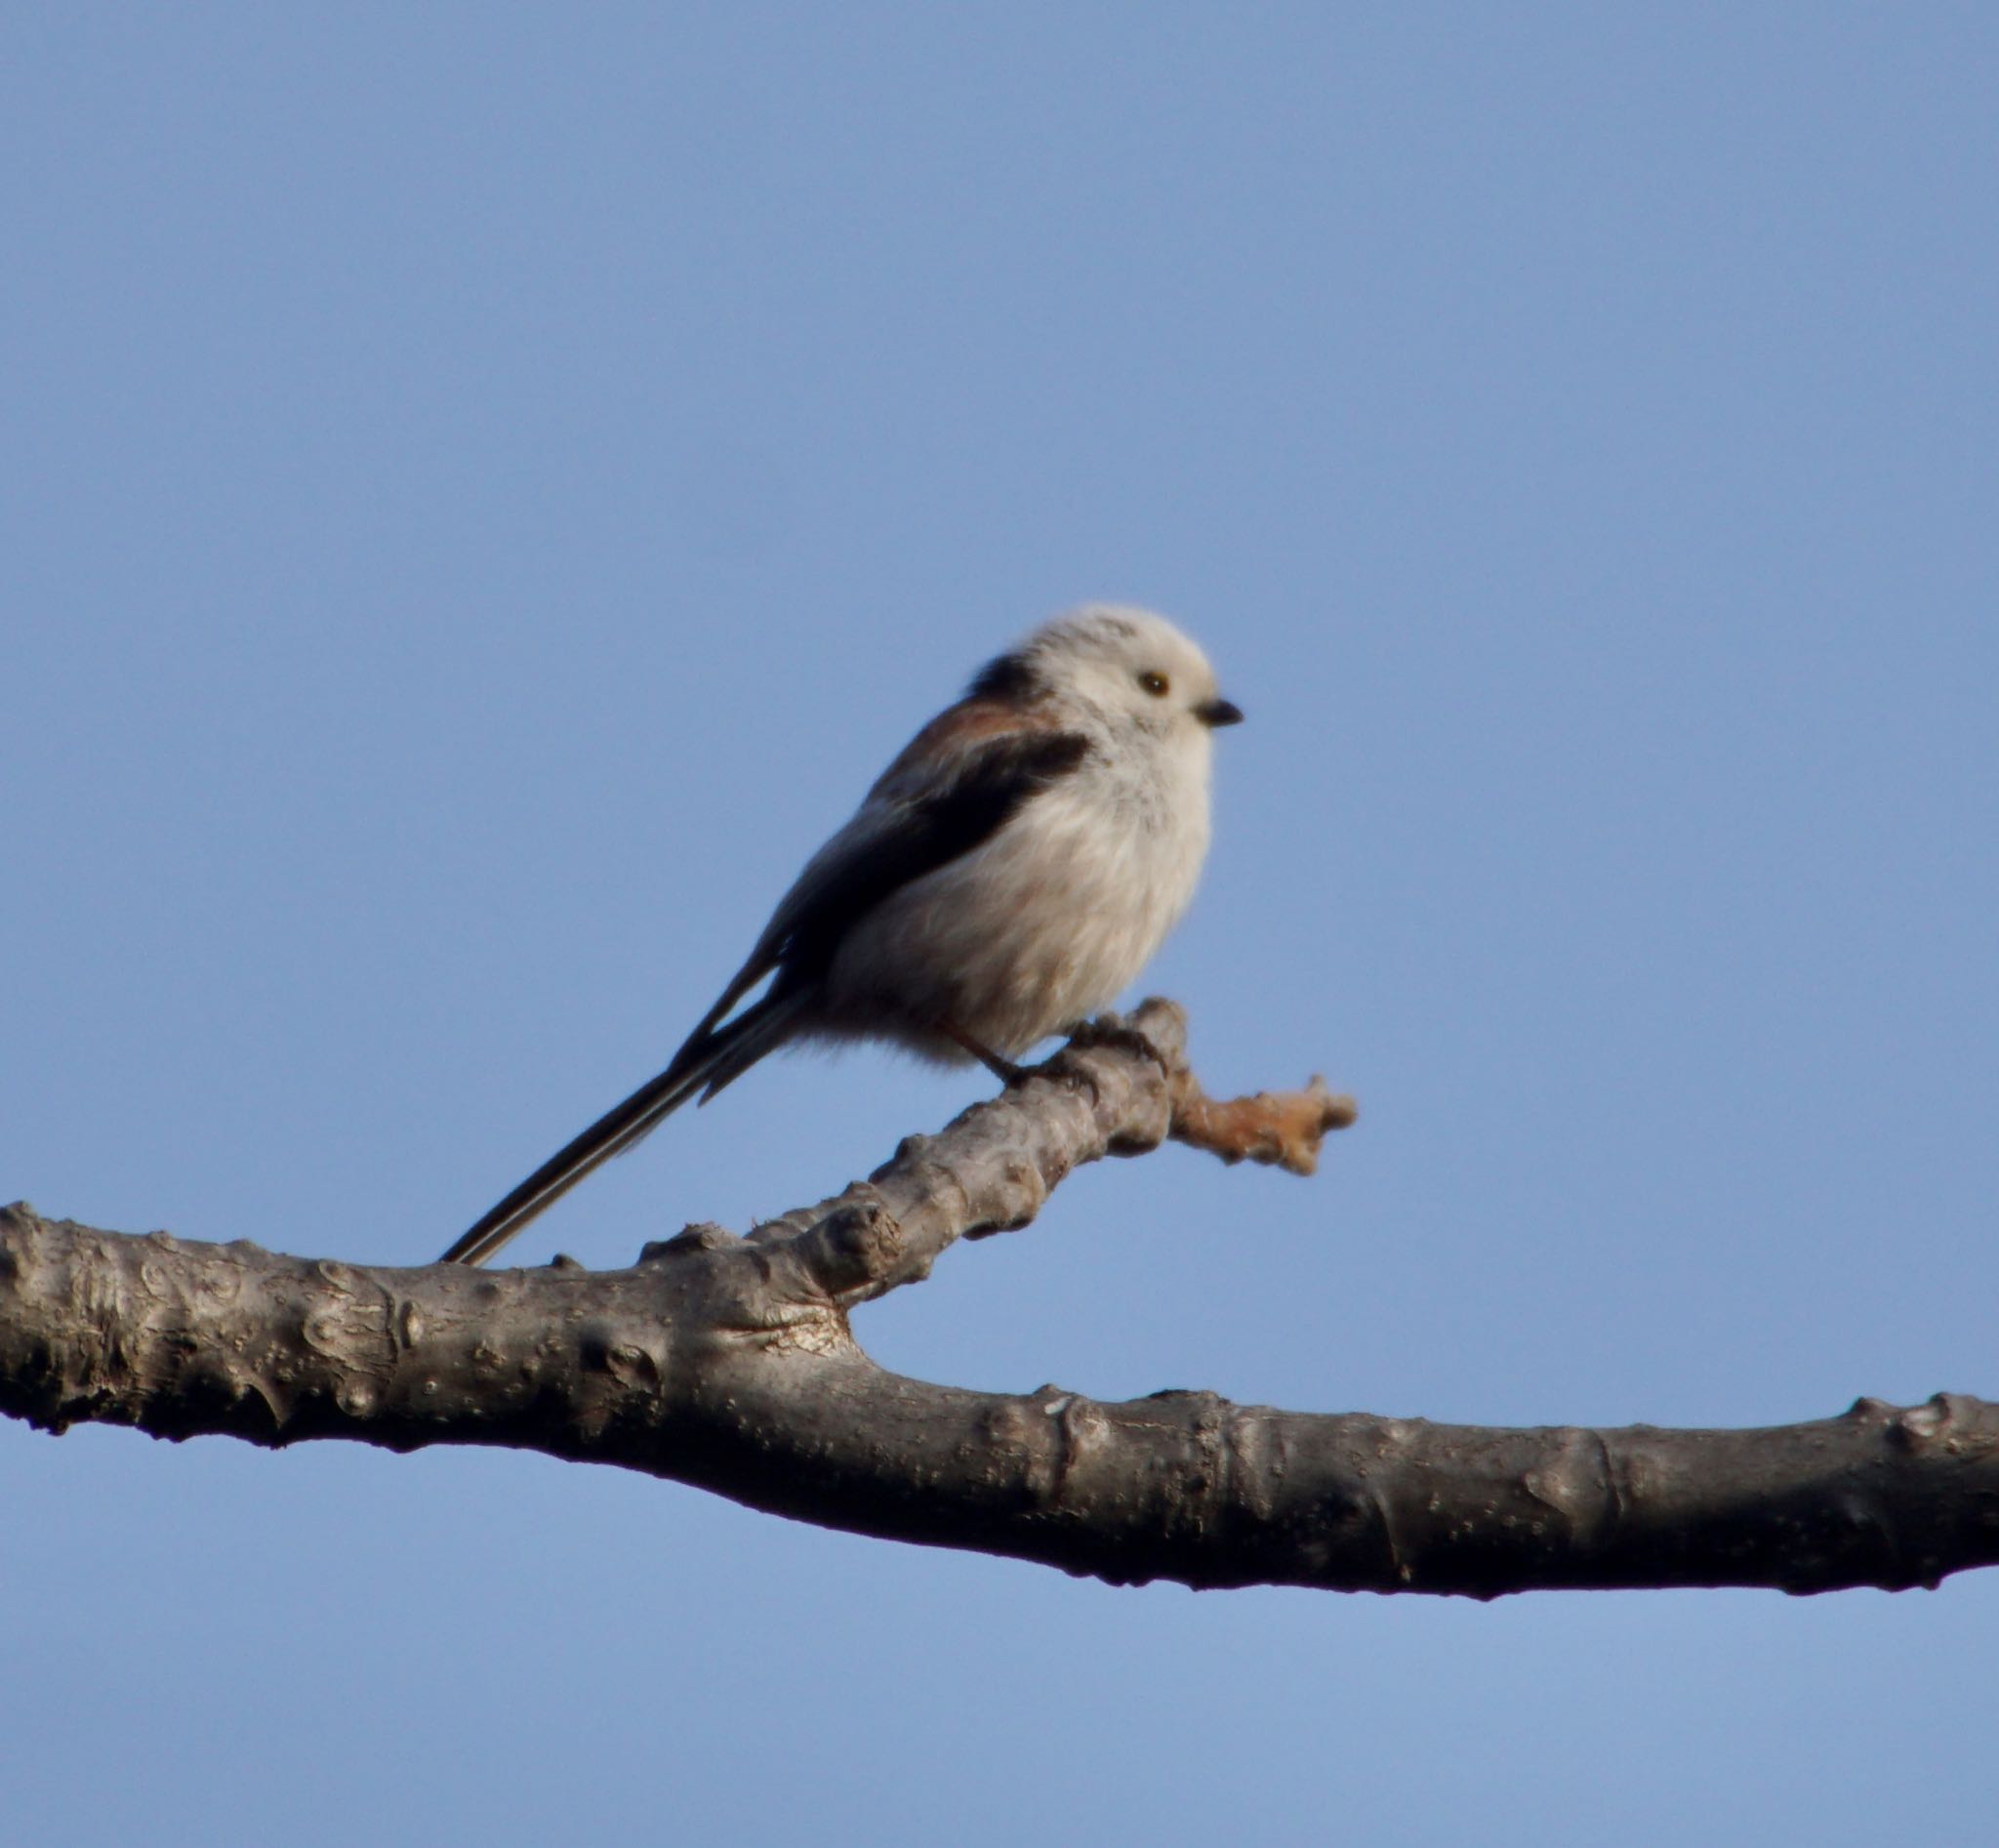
<point>1154,683</point>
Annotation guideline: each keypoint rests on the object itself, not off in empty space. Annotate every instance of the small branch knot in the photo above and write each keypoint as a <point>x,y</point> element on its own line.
<point>854,1247</point>
<point>686,1243</point>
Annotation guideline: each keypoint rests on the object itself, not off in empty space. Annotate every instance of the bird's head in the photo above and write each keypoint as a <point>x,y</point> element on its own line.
<point>1131,667</point>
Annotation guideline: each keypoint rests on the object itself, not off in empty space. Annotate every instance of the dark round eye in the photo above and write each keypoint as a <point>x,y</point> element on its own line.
<point>1154,683</point>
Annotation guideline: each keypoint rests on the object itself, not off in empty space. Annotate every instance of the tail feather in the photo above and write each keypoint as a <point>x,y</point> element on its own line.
<point>736,1058</point>
<point>711,1059</point>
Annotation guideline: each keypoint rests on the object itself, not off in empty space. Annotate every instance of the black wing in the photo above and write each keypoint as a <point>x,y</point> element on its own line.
<point>895,839</point>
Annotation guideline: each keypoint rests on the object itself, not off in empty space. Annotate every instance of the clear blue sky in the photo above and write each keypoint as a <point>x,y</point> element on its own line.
<point>482,492</point>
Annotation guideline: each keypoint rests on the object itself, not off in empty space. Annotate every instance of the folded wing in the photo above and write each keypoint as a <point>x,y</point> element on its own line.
<point>963,778</point>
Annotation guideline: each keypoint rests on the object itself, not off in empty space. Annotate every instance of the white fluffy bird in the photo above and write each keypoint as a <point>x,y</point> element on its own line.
<point>1008,876</point>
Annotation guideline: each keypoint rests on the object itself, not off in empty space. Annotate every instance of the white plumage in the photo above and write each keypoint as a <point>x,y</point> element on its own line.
<point>1008,876</point>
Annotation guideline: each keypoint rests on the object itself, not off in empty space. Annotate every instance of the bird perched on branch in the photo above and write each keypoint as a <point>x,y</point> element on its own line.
<point>1008,876</point>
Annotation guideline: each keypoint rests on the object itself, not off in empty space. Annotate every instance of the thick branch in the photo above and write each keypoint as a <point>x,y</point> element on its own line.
<point>728,1363</point>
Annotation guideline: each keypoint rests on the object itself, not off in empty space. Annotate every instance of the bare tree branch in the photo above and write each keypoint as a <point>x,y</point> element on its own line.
<point>728,1363</point>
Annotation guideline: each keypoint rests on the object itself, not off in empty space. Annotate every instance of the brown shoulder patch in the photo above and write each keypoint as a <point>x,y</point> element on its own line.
<point>942,745</point>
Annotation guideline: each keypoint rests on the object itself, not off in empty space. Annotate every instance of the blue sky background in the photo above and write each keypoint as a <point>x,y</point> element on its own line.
<point>481,493</point>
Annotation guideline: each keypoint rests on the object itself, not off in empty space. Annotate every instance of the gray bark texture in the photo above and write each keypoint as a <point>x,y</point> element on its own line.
<point>727,1361</point>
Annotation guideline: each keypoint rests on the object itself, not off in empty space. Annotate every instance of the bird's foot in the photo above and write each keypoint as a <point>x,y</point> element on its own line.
<point>1111,1033</point>
<point>1116,1033</point>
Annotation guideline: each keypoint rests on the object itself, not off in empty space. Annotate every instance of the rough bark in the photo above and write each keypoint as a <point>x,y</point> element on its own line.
<point>728,1363</point>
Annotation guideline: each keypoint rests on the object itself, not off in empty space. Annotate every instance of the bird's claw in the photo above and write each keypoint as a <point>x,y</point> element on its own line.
<point>1117,1034</point>
<point>1106,1033</point>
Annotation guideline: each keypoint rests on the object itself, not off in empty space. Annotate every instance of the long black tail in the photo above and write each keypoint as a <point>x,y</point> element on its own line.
<point>711,1059</point>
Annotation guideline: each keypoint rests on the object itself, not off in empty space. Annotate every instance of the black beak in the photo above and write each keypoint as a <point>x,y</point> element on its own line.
<point>1217,712</point>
